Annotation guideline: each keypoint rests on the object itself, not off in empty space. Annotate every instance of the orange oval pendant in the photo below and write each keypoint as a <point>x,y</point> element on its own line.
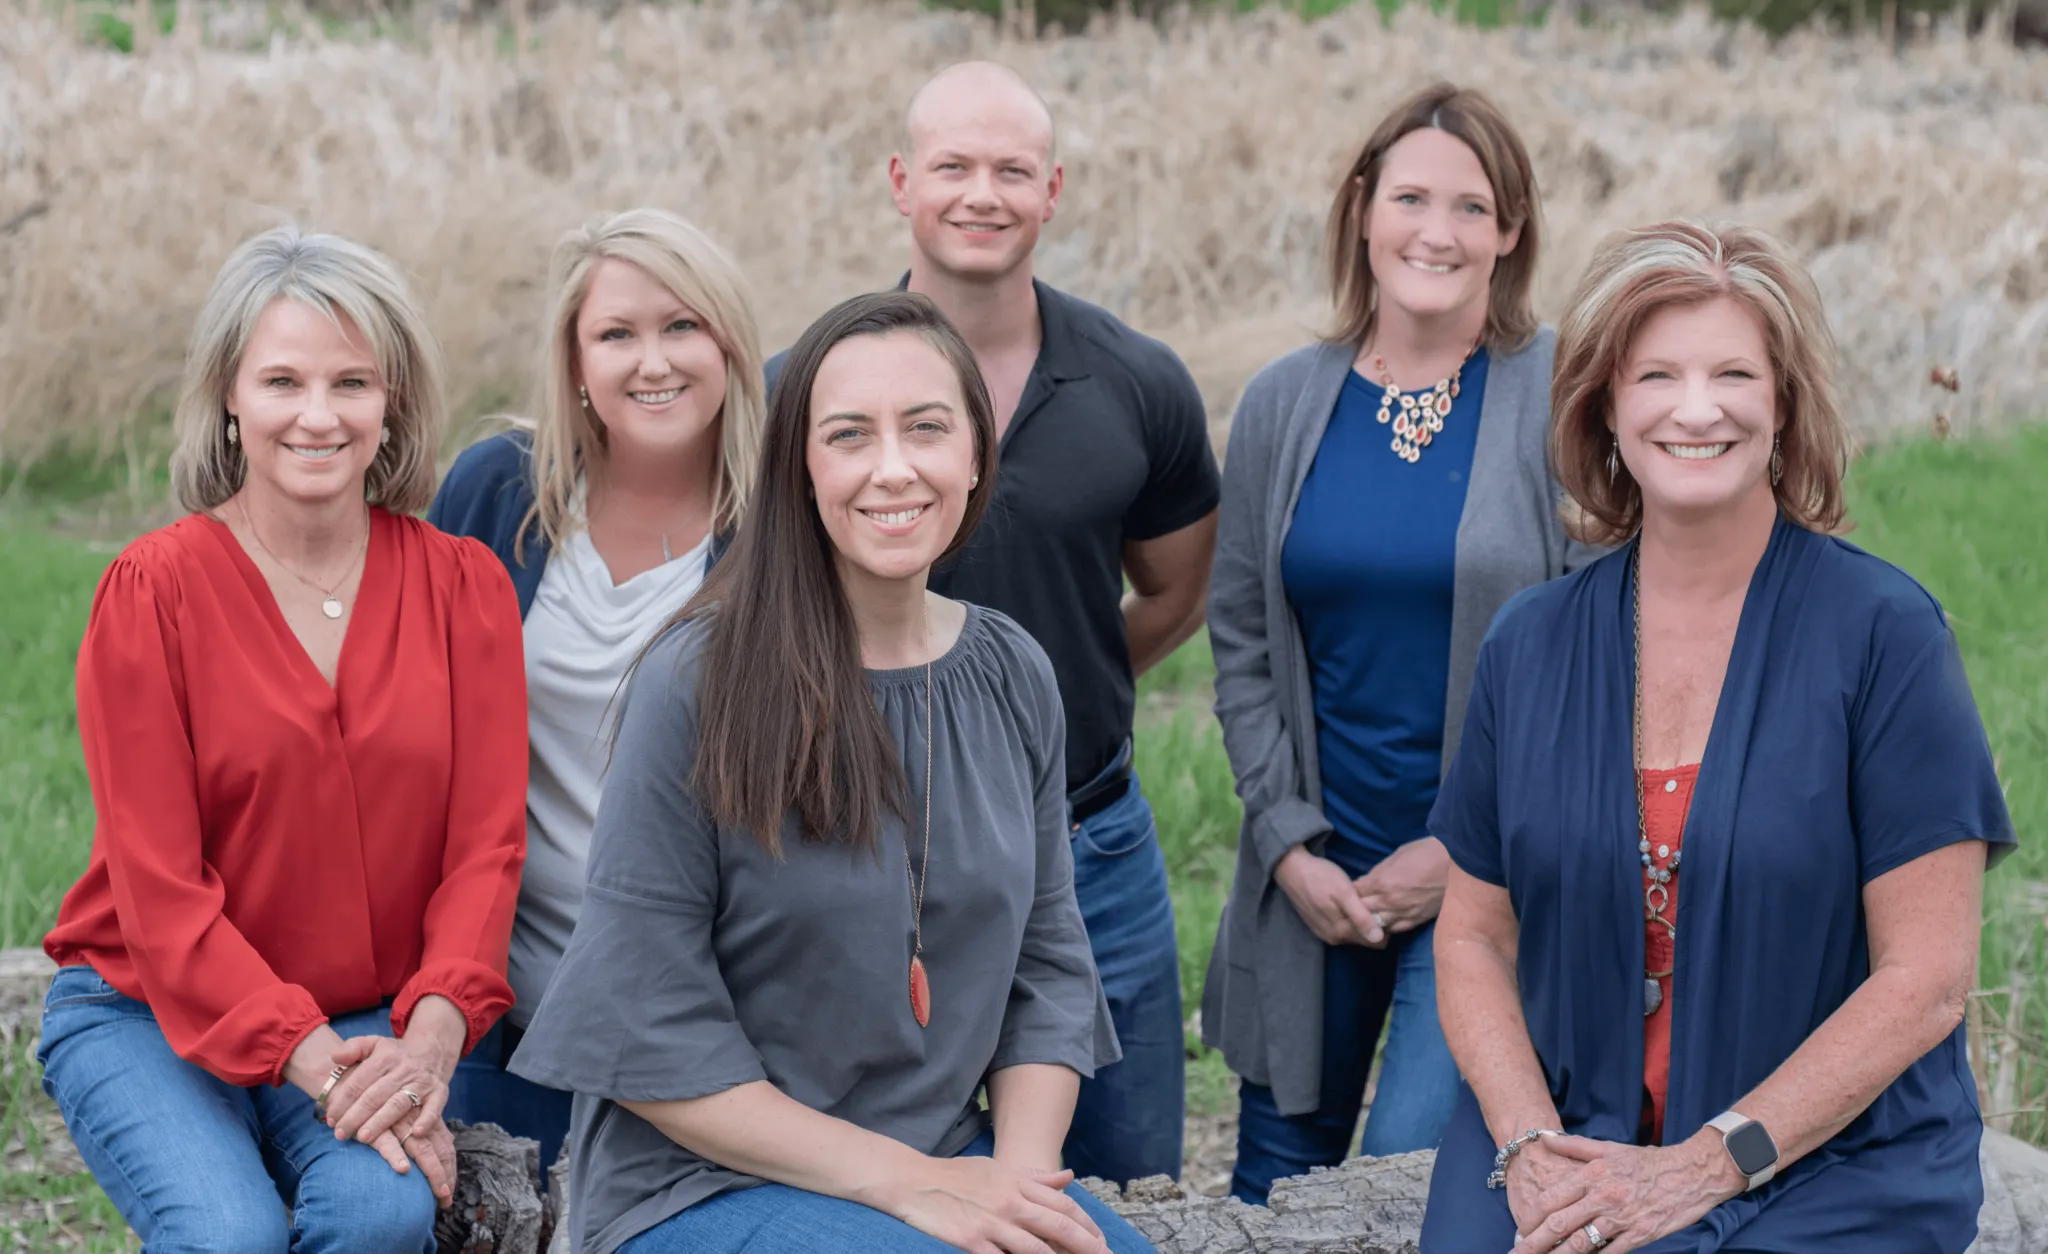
<point>920,993</point>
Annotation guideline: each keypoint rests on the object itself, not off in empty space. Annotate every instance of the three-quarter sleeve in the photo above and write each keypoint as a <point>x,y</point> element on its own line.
<point>1921,775</point>
<point>638,1010</point>
<point>1262,759</point>
<point>1466,814</point>
<point>219,1003</point>
<point>1057,1012</point>
<point>468,924</point>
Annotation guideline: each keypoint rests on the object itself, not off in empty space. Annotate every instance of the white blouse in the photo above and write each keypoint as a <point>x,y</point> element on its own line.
<point>582,631</point>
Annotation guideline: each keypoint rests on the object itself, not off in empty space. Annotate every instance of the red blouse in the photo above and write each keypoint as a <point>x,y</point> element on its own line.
<point>271,850</point>
<point>1667,799</point>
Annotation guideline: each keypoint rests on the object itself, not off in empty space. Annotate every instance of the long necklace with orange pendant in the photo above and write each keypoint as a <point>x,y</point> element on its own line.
<point>920,983</point>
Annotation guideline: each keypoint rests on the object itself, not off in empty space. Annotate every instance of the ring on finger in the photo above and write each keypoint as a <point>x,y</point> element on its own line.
<point>412,1097</point>
<point>1593,1236</point>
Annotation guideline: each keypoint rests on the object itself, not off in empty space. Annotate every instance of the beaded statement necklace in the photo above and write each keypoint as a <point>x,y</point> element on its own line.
<point>1656,879</point>
<point>1422,414</point>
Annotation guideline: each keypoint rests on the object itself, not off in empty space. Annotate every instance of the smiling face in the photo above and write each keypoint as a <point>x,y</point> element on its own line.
<point>655,374</point>
<point>1432,231</point>
<point>891,455</point>
<point>1695,409</point>
<point>308,402</point>
<point>978,181</point>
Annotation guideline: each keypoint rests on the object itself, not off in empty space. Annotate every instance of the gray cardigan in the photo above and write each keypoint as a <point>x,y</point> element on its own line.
<point>1262,1001</point>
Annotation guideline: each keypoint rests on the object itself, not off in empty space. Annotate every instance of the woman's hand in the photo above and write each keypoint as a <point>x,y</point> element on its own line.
<point>1327,900</point>
<point>432,1146</point>
<point>392,1079</point>
<point>1630,1194</point>
<point>1407,888</point>
<point>1540,1182</point>
<point>988,1207</point>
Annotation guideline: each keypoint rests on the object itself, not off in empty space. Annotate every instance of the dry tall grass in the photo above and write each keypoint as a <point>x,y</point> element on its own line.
<point>1200,161</point>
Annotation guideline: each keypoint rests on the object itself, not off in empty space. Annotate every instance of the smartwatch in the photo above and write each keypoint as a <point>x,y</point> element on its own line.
<point>1754,1152</point>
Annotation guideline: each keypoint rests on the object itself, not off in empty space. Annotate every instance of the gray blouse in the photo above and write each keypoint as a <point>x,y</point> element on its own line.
<point>700,963</point>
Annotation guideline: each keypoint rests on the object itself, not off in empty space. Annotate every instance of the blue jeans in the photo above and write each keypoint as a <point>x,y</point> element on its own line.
<point>200,1166</point>
<point>1128,1121</point>
<point>1418,1079</point>
<point>778,1219</point>
<point>482,1091</point>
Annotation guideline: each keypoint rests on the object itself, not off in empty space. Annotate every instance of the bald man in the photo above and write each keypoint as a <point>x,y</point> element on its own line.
<point>1105,475</point>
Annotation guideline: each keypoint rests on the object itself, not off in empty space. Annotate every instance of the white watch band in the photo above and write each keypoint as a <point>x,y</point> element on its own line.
<point>1727,1122</point>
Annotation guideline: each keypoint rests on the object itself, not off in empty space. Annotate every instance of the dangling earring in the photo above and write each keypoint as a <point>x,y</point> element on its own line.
<point>584,393</point>
<point>1612,464</point>
<point>386,437</point>
<point>234,432</point>
<point>1777,462</point>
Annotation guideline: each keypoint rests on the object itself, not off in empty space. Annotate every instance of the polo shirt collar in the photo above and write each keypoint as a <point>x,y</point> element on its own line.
<point>1060,355</point>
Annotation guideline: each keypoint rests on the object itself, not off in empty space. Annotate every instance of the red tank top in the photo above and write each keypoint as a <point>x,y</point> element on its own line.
<point>1667,798</point>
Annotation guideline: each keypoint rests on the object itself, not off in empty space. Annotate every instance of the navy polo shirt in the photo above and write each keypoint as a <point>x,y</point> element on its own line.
<point>1368,565</point>
<point>1109,443</point>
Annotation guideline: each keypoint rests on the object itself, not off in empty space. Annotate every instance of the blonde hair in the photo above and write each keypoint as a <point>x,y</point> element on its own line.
<point>1470,117</point>
<point>343,280</point>
<point>566,436</point>
<point>1634,274</point>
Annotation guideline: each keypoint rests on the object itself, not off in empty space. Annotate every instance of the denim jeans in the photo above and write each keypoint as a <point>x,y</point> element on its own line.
<point>482,1091</point>
<point>1418,1079</point>
<point>778,1219</point>
<point>1128,1122</point>
<point>200,1166</point>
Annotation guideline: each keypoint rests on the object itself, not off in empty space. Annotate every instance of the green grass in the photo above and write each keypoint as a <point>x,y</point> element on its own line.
<point>1966,519</point>
<point>45,809</point>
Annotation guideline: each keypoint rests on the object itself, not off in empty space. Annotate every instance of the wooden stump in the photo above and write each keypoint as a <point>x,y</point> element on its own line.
<point>497,1206</point>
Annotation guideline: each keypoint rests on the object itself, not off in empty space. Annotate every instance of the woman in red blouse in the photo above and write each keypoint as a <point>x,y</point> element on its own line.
<point>304,719</point>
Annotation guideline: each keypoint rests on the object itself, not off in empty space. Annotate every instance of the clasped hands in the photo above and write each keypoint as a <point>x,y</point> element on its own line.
<point>1630,1194</point>
<point>1404,892</point>
<point>394,1089</point>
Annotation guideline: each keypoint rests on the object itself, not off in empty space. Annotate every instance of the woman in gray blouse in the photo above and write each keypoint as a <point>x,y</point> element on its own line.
<point>830,894</point>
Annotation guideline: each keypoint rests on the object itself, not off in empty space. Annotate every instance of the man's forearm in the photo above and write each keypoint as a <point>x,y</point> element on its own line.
<point>1154,626</point>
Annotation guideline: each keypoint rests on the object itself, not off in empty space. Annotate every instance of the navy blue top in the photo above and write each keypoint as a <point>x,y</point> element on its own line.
<point>1368,565</point>
<point>1846,743</point>
<point>489,492</point>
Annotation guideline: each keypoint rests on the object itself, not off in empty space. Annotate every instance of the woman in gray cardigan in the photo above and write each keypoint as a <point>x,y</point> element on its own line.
<point>1385,492</point>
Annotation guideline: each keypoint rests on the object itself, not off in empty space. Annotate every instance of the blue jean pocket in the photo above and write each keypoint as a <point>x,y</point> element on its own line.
<point>1121,829</point>
<point>79,986</point>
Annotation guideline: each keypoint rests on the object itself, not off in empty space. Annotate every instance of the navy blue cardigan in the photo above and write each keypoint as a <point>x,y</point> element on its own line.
<point>488,493</point>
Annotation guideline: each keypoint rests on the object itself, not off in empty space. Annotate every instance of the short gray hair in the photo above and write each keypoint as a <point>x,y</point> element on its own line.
<point>341,279</point>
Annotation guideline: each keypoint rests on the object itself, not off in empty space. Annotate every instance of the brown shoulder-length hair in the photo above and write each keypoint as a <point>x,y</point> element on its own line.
<point>786,719</point>
<point>1471,117</point>
<point>1633,274</point>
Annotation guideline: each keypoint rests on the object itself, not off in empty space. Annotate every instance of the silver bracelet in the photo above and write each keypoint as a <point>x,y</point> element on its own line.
<point>1499,1178</point>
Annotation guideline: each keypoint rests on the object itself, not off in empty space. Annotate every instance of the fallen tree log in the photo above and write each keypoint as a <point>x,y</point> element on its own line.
<point>1365,1206</point>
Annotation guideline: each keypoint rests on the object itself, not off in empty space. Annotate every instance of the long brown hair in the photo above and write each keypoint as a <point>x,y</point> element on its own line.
<point>1471,117</point>
<point>786,719</point>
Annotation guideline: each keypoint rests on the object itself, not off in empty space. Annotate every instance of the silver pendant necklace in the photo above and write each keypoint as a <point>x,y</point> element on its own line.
<point>331,606</point>
<point>1657,880</point>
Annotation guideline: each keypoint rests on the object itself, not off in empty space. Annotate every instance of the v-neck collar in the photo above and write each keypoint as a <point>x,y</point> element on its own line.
<point>369,599</point>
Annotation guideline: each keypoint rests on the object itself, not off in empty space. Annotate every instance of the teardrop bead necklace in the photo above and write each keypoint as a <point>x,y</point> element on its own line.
<point>1422,413</point>
<point>920,983</point>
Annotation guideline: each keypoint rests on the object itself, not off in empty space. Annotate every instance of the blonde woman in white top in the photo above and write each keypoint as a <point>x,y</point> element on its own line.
<point>607,508</point>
